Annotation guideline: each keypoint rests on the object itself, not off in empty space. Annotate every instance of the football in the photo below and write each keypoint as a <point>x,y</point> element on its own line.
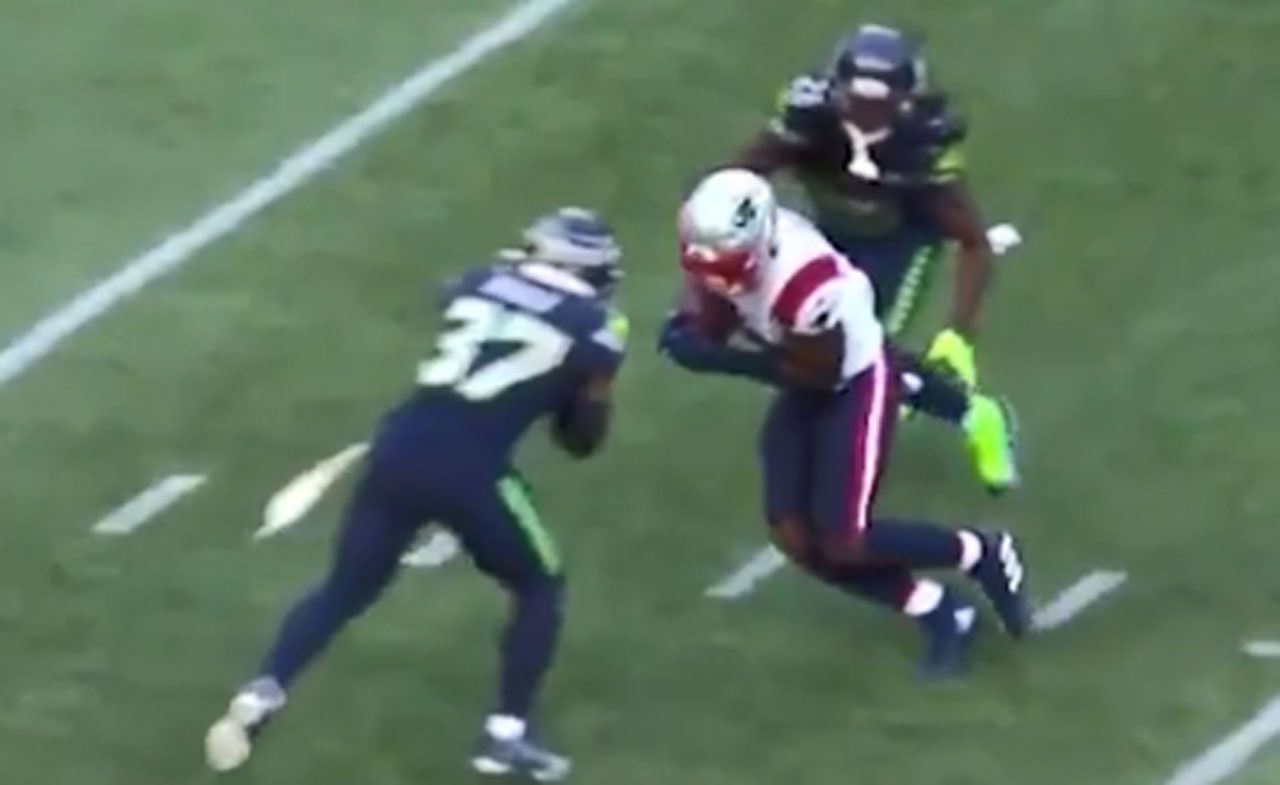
<point>715,316</point>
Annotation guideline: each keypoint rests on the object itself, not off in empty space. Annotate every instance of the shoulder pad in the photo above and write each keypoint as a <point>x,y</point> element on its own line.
<point>794,303</point>
<point>803,106</point>
<point>933,138</point>
<point>820,311</point>
<point>934,121</point>
<point>612,334</point>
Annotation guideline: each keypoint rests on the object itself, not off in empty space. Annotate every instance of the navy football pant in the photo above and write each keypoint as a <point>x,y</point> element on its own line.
<point>499,529</point>
<point>823,456</point>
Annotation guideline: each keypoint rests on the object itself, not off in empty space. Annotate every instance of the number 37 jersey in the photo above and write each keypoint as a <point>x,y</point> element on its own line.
<point>518,342</point>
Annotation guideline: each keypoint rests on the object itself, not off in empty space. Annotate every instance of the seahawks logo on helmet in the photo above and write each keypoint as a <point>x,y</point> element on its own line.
<point>580,241</point>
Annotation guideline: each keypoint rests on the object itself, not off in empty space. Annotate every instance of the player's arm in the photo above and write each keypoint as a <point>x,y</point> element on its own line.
<point>702,336</point>
<point>813,359</point>
<point>957,213</point>
<point>766,154</point>
<point>783,142</point>
<point>582,424</point>
<point>813,344</point>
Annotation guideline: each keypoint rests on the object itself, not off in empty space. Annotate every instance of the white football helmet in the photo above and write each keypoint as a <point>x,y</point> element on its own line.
<point>728,228</point>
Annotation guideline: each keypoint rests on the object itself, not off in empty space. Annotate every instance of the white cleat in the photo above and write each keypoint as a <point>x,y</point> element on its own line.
<point>229,741</point>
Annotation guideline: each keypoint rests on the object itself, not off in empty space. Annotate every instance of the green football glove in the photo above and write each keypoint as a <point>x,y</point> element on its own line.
<point>953,351</point>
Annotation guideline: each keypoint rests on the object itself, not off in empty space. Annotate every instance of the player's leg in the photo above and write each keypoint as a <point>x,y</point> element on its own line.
<point>786,440</point>
<point>853,449</point>
<point>788,443</point>
<point>501,530</point>
<point>373,536</point>
<point>988,423</point>
<point>876,555</point>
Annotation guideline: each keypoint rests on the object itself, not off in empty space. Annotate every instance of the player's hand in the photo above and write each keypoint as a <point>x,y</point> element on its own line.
<point>954,352</point>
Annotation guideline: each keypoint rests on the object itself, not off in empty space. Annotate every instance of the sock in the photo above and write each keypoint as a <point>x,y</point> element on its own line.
<point>528,645</point>
<point>924,598</point>
<point>950,612</point>
<point>912,545</point>
<point>970,549</point>
<point>935,394</point>
<point>268,690</point>
<point>504,727</point>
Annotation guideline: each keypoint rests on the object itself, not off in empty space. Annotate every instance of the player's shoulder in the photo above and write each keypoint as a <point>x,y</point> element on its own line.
<point>930,136</point>
<point>580,311</point>
<point>805,264</point>
<point>933,118</point>
<point>804,109</point>
<point>799,241</point>
<point>469,281</point>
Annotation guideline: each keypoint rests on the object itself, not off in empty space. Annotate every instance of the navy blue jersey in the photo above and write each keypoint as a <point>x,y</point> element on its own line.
<point>924,151</point>
<point>518,343</point>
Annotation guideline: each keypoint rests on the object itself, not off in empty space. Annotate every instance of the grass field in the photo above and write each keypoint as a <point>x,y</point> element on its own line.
<point>1131,139</point>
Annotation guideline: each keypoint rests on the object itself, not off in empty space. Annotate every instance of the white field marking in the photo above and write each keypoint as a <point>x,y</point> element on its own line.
<point>1231,753</point>
<point>1265,649</point>
<point>1071,601</point>
<point>439,548</point>
<point>313,158</point>
<point>291,503</point>
<point>759,567</point>
<point>148,504</point>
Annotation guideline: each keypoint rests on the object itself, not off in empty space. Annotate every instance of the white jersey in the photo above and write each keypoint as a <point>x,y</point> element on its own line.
<point>807,288</point>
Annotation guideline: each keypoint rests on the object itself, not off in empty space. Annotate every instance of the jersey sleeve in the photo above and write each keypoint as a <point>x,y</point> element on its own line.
<point>940,136</point>
<point>602,346</point>
<point>803,110</point>
<point>808,303</point>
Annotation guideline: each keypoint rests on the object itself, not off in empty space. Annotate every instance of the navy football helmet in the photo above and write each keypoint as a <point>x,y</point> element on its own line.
<point>875,71</point>
<point>578,241</point>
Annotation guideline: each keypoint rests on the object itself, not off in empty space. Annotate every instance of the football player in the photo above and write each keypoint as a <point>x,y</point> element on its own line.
<point>777,302</point>
<point>880,155</point>
<point>532,336</point>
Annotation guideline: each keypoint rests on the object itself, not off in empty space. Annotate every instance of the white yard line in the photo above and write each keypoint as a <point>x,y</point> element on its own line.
<point>438,550</point>
<point>741,581</point>
<point>313,158</point>
<point>1265,649</point>
<point>1071,601</point>
<point>1230,754</point>
<point>148,504</point>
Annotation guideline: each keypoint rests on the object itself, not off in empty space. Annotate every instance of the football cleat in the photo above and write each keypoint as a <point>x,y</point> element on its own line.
<point>520,756</point>
<point>950,632</point>
<point>992,433</point>
<point>1003,578</point>
<point>229,741</point>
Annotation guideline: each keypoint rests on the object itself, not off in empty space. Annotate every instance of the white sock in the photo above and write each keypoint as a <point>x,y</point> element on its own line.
<point>970,549</point>
<point>267,690</point>
<point>504,727</point>
<point>924,598</point>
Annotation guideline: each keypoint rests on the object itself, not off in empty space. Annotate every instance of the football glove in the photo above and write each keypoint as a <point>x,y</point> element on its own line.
<point>953,352</point>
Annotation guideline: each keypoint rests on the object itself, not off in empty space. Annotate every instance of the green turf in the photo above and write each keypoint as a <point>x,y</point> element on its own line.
<point>1131,141</point>
<point>124,120</point>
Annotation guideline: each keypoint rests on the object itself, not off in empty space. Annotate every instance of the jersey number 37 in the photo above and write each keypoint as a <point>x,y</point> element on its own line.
<point>538,348</point>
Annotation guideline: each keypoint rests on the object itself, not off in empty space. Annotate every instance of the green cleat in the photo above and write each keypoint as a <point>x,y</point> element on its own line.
<point>992,433</point>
